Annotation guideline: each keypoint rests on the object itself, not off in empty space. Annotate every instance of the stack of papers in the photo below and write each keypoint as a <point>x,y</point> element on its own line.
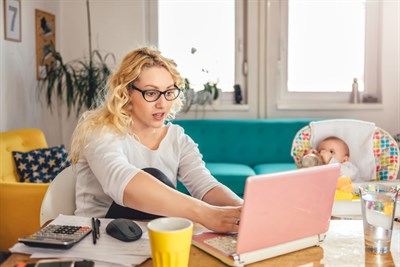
<point>108,251</point>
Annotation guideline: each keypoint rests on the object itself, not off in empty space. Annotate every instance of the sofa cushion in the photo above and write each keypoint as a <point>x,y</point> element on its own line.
<point>40,165</point>
<point>273,167</point>
<point>249,142</point>
<point>23,140</point>
<point>233,175</point>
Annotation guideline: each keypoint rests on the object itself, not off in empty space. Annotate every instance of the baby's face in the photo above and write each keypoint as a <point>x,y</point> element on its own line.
<point>335,148</point>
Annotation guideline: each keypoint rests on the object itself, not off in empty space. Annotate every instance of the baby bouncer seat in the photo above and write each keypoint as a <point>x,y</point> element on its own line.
<point>372,150</point>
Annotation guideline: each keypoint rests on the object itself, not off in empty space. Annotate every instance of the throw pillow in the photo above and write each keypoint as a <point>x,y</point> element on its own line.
<point>40,165</point>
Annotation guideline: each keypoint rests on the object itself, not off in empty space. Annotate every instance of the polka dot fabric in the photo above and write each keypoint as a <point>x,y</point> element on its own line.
<point>386,152</point>
<point>301,145</point>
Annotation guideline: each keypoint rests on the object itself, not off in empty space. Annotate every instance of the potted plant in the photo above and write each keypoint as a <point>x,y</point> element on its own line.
<point>79,83</point>
<point>205,96</point>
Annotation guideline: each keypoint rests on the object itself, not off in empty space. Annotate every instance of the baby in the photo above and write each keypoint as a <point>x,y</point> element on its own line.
<point>333,150</point>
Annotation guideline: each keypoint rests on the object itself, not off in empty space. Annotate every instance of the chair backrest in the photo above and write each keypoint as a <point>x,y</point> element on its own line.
<point>60,196</point>
<point>23,140</point>
<point>386,152</point>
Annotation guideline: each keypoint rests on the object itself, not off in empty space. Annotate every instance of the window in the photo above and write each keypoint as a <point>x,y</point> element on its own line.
<point>324,45</point>
<point>206,40</point>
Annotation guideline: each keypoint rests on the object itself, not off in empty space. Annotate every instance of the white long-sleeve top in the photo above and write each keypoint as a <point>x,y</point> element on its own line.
<point>109,162</point>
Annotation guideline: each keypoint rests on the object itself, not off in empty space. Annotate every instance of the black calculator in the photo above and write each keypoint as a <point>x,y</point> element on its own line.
<point>56,236</point>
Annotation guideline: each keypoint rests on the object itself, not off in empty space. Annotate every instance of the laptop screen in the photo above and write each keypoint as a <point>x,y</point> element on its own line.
<point>286,206</point>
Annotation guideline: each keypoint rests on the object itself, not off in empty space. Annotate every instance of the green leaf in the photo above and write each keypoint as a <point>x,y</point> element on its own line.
<point>78,83</point>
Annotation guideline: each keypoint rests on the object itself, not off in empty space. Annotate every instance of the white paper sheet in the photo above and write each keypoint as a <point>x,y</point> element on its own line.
<point>107,250</point>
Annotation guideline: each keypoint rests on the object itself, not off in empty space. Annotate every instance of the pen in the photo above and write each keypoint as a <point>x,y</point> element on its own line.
<point>98,227</point>
<point>94,231</point>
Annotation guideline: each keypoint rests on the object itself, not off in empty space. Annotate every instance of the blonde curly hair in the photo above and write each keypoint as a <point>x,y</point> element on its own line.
<point>113,113</point>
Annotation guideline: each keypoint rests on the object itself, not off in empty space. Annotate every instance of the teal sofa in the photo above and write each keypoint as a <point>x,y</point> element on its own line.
<point>236,149</point>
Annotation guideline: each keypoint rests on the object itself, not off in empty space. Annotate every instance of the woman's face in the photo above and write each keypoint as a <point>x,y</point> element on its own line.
<point>151,114</point>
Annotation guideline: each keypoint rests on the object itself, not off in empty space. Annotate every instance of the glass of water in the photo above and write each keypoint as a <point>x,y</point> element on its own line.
<point>378,206</point>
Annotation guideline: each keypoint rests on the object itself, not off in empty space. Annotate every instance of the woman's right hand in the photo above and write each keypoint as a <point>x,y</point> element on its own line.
<point>221,219</point>
<point>146,193</point>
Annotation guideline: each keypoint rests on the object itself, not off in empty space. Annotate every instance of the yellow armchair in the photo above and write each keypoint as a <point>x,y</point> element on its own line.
<point>19,202</point>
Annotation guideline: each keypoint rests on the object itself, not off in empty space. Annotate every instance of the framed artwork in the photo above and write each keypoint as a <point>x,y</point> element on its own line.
<point>45,41</point>
<point>12,20</point>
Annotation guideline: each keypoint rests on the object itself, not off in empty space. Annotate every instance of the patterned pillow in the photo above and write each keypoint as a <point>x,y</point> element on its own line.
<point>40,165</point>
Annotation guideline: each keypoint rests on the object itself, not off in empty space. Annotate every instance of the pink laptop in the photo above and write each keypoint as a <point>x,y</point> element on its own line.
<point>282,212</point>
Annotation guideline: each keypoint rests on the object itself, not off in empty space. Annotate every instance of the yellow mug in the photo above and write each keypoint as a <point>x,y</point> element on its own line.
<point>170,241</point>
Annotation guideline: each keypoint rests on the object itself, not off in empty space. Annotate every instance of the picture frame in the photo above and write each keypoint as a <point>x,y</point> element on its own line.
<point>12,20</point>
<point>45,41</point>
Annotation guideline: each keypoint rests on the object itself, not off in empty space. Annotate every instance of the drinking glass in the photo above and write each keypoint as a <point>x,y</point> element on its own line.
<point>378,206</point>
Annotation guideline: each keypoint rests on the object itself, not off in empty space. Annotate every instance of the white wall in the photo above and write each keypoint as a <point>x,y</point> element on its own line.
<point>19,101</point>
<point>119,26</point>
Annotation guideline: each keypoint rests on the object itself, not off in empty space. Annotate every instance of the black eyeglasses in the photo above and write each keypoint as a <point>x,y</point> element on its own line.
<point>153,95</point>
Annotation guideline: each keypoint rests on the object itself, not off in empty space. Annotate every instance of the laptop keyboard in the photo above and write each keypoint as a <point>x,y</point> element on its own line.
<point>226,243</point>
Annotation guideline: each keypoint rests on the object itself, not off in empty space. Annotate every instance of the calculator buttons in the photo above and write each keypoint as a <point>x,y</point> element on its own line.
<point>56,236</point>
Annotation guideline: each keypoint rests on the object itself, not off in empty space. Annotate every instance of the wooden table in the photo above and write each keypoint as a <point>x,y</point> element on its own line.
<point>343,246</point>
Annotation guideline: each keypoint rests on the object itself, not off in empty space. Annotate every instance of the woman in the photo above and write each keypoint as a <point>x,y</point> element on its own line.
<point>128,158</point>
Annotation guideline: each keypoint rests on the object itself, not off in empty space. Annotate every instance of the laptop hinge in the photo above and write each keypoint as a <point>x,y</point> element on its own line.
<point>321,237</point>
<point>236,258</point>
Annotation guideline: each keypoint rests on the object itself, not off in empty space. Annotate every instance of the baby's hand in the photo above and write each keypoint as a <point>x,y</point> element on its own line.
<point>313,151</point>
<point>326,156</point>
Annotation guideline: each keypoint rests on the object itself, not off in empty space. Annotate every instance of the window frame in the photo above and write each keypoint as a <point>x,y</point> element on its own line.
<point>241,44</point>
<point>279,27</point>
